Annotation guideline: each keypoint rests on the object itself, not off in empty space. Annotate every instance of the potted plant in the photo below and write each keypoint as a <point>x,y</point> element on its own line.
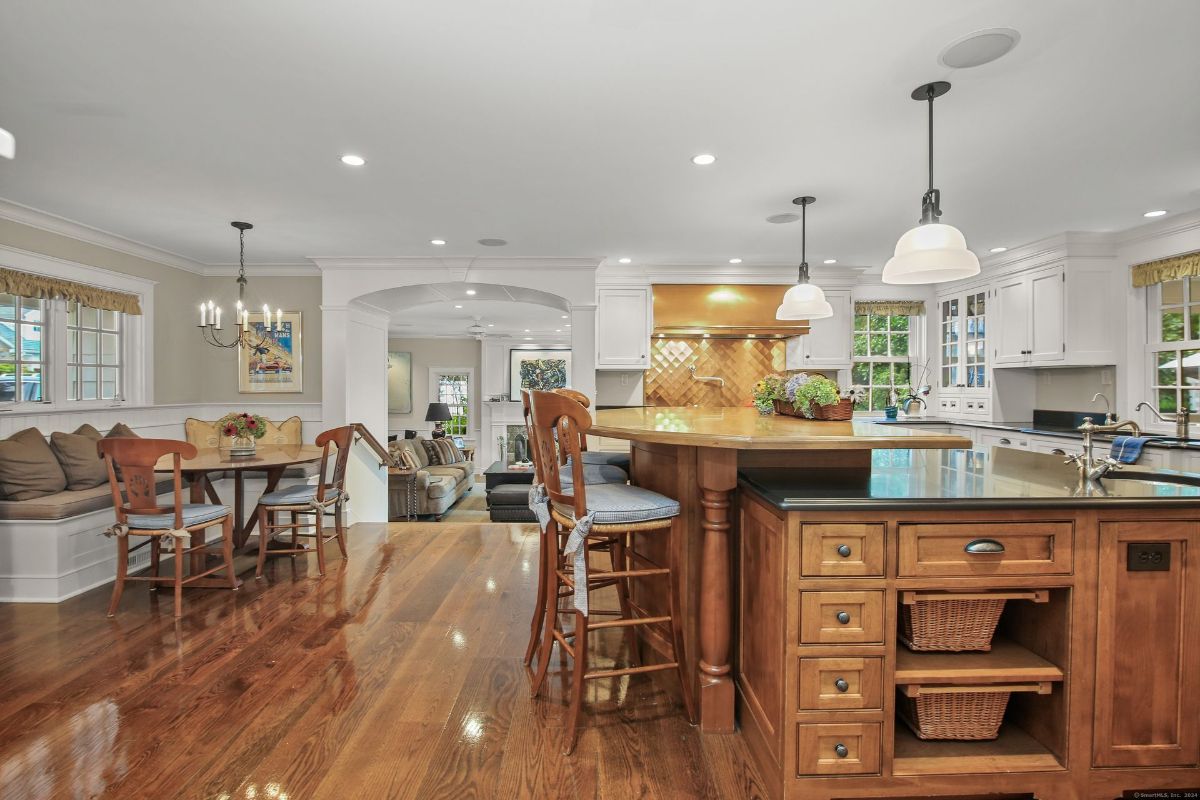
<point>814,397</point>
<point>766,392</point>
<point>244,430</point>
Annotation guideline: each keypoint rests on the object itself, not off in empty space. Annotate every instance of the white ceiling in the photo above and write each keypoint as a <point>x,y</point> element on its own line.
<point>567,127</point>
<point>446,309</point>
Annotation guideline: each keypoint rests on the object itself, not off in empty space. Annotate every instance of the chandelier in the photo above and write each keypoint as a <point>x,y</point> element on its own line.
<point>210,314</point>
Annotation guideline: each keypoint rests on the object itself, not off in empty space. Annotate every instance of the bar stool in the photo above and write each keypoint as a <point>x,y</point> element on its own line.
<point>620,460</point>
<point>138,514</point>
<point>308,499</point>
<point>549,532</point>
<point>600,512</point>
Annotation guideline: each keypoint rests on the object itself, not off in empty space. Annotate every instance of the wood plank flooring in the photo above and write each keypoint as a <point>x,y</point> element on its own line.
<point>397,676</point>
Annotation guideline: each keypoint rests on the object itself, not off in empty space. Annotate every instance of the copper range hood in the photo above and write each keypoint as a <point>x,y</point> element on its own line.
<point>721,311</point>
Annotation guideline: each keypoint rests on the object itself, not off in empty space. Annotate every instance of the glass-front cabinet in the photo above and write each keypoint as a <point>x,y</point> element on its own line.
<point>964,374</point>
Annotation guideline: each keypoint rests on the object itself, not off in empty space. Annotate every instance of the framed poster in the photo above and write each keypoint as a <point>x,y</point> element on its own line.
<point>399,383</point>
<point>542,370</point>
<point>274,362</point>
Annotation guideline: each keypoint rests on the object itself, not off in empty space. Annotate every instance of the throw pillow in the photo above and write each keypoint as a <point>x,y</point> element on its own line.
<point>286,432</point>
<point>409,459</point>
<point>77,455</point>
<point>28,468</point>
<point>121,431</point>
<point>201,432</point>
<point>431,451</point>
<point>450,454</point>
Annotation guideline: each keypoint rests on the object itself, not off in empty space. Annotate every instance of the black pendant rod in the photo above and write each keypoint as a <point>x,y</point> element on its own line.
<point>803,202</point>
<point>931,202</point>
<point>930,94</point>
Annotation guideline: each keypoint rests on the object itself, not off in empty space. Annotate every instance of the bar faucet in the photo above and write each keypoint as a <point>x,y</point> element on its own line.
<point>1182,418</point>
<point>719,381</point>
<point>1109,416</point>
<point>1092,469</point>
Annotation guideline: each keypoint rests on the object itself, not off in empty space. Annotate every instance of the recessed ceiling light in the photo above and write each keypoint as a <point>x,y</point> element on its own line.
<point>471,291</point>
<point>735,261</point>
<point>829,261</point>
<point>564,316</point>
<point>566,326</point>
<point>491,324</point>
<point>458,306</point>
<point>704,159</point>
<point>527,330</point>
<point>353,161</point>
<point>997,250</point>
<point>978,48</point>
<point>558,330</point>
<point>1160,212</point>
<point>437,242</point>
<point>783,219</point>
<point>493,242</point>
<point>706,336</point>
<point>529,338</point>
<point>624,260</point>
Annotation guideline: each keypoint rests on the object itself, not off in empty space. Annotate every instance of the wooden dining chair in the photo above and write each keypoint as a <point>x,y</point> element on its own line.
<point>138,514</point>
<point>304,499</point>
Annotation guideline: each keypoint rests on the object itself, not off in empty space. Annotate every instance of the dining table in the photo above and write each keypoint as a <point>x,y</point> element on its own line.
<point>210,463</point>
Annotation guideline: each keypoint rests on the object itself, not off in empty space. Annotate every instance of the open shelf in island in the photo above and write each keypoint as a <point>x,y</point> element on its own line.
<point>1013,751</point>
<point>1006,662</point>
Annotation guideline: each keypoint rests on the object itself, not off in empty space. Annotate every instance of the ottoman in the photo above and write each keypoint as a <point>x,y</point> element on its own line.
<point>509,502</point>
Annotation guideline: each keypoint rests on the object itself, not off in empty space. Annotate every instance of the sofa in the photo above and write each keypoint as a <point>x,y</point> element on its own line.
<point>438,486</point>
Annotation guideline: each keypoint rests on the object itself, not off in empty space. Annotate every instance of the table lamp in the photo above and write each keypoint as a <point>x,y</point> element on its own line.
<point>437,414</point>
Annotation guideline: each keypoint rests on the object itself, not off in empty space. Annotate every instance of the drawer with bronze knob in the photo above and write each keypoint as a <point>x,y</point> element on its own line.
<point>841,617</point>
<point>841,550</point>
<point>840,684</point>
<point>838,749</point>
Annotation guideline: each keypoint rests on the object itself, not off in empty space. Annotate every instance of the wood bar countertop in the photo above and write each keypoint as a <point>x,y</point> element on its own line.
<point>746,429</point>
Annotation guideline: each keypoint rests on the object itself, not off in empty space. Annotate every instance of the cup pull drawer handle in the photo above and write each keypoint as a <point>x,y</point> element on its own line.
<point>984,546</point>
<point>843,617</point>
<point>841,750</point>
<point>841,685</point>
<point>843,550</point>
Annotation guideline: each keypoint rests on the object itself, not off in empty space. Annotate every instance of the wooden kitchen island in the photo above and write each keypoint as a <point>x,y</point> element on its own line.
<point>693,455</point>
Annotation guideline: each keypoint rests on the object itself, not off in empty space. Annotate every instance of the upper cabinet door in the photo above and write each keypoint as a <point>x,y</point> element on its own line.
<point>950,333</point>
<point>827,344</point>
<point>1046,325</point>
<point>623,325</point>
<point>1010,332</point>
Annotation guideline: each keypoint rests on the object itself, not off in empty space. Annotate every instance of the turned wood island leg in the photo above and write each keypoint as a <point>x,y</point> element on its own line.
<point>717,477</point>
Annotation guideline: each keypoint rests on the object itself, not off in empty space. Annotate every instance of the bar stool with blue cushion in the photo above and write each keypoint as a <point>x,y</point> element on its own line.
<point>305,499</point>
<point>590,512</point>
<point>618,460</point>
<point>131,466</point>
<point>549,539</point>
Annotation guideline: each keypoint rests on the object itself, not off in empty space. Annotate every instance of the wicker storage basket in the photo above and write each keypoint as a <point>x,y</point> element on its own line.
<point>838,412</point>
<point>949,623</point>
<point>951,713</point>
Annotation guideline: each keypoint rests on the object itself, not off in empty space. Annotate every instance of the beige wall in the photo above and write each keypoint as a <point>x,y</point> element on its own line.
<point>428,353</point>
<point>220,378</point>
<point>185,369</point>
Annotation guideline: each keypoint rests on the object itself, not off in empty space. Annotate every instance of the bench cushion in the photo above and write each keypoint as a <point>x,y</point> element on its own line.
<point>62,505</point>
<point>616,503</point>
<point>28,468</point>
<point>193,514</point>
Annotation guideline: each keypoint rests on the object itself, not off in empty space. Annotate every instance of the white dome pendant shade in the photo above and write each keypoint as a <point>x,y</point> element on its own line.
<point>8,144</point>
<point>804,300</point>
<point>932,252</point>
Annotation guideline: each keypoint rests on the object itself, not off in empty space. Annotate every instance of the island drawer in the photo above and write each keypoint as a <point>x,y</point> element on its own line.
<point>841,617</point>
<point>838,749</point>
<point>841,550</point>
<point>840,684</point>
<point>999,548</point>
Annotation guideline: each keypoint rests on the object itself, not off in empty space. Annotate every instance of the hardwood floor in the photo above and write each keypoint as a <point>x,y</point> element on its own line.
<point>397,676</point>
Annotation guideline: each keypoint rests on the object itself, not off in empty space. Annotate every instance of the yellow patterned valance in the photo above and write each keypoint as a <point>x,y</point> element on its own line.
<point>890,308</point>
<point>1167,269</point>
<point>47,288</point>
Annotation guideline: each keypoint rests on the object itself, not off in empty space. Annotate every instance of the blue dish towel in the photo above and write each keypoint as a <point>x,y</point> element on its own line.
<point>1128,449</point>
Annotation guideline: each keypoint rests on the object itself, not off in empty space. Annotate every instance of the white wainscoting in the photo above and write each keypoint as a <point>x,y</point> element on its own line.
<point>47,561</point>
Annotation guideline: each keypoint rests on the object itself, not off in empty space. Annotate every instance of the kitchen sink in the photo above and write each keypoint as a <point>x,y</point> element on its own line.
<point>1178,478</point>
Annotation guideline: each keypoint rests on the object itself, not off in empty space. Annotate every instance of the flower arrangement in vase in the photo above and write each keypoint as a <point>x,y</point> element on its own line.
<point>244,430</point>
<point>804,395</point>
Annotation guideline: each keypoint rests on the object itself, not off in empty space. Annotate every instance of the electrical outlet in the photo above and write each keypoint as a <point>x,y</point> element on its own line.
<point>624,378</point>
<point>1046,379</point>
<point>1106,377</point>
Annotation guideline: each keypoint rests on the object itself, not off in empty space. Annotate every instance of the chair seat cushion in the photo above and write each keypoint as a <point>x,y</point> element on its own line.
<point>592,474</point>
<point>620,460</point>
<point>615,503</point>
<point>299,495</point>
<point>193,514</point>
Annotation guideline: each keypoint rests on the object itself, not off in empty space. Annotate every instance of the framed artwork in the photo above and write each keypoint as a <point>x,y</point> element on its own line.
<point>277,365</point>
<point>542,370</point>
<point>399,383</point>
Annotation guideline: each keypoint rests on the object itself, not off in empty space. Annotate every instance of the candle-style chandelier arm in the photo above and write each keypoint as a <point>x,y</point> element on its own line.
<point>210,314</point>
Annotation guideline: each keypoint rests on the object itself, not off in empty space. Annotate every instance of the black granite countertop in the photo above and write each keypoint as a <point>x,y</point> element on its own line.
<point>1163,441</point>
<point>1004,478</point>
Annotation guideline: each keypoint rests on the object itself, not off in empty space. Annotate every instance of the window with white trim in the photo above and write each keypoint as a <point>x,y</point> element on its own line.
<point>1174,344</point>
<point>882,356</point>
<point>22,349</point>
<point>94,353</point>
<point>453,387</point>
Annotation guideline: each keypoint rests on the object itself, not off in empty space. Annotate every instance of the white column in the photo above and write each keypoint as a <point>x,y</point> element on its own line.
<point>583,349</point>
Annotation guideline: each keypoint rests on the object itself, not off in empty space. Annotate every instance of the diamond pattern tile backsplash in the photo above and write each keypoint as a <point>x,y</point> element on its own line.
<point>740,362</point>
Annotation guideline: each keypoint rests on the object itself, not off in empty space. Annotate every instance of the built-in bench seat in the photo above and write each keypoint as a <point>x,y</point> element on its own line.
<point>67,503</point>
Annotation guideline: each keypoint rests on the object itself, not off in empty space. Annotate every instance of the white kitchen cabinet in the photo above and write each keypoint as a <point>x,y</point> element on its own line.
<point>827,344</point>
<point>993,438</point>
<point>1056,316</point>
<point>964,376</point>
<point>624,320</point>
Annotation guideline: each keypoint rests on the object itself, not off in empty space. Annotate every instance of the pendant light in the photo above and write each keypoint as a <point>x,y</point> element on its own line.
<point>805,300</point>
<point>931,252</point>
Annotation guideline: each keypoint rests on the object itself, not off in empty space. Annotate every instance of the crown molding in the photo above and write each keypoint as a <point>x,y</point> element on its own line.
<point>1170,226</point>
<point>453,264</point>
<point>284,270</point>
<point>61,226</point>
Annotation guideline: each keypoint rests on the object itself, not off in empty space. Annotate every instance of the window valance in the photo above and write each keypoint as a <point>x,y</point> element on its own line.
<point>1166,269</point>
<point>41,286</point>
<point>890,308</point>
